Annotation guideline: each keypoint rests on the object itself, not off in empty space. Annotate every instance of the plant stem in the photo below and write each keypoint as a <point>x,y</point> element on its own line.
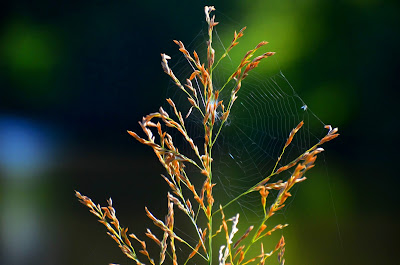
<point>210,241</point>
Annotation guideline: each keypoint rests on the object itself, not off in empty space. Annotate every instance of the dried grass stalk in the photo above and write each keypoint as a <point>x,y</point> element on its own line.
<point>155,127</point>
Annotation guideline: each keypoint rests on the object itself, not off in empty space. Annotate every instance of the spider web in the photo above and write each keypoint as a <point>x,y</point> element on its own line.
<point>266,111</point>
<point>251,140</point>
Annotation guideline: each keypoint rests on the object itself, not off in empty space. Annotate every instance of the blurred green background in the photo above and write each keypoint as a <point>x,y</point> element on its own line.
<point>75,75</point>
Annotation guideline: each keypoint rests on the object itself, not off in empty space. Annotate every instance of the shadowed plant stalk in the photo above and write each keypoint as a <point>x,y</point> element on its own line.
<point>197,203</point>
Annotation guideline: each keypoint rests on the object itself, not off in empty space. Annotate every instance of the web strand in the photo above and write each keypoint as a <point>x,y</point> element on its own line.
<point>266,111</point>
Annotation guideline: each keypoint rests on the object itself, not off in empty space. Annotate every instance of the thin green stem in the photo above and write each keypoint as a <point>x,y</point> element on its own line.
<point>256,237</point>
<point>179,84</point>
<point>228,80</point>
<point>210,252</point>
<point>191,218</point>
<point>192,248</point>
<point>210,220</point>
<point>222,123</point>
<point>184,158</point>
<point>279,158</point>
<point>220,59</point>
<point>263,181</point>
<point>233,200</point>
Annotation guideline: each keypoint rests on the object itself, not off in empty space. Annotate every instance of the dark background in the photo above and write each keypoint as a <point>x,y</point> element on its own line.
<point>75,75</point>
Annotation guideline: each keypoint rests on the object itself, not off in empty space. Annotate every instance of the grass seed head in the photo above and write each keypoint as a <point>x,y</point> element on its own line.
<point>154,126</point>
